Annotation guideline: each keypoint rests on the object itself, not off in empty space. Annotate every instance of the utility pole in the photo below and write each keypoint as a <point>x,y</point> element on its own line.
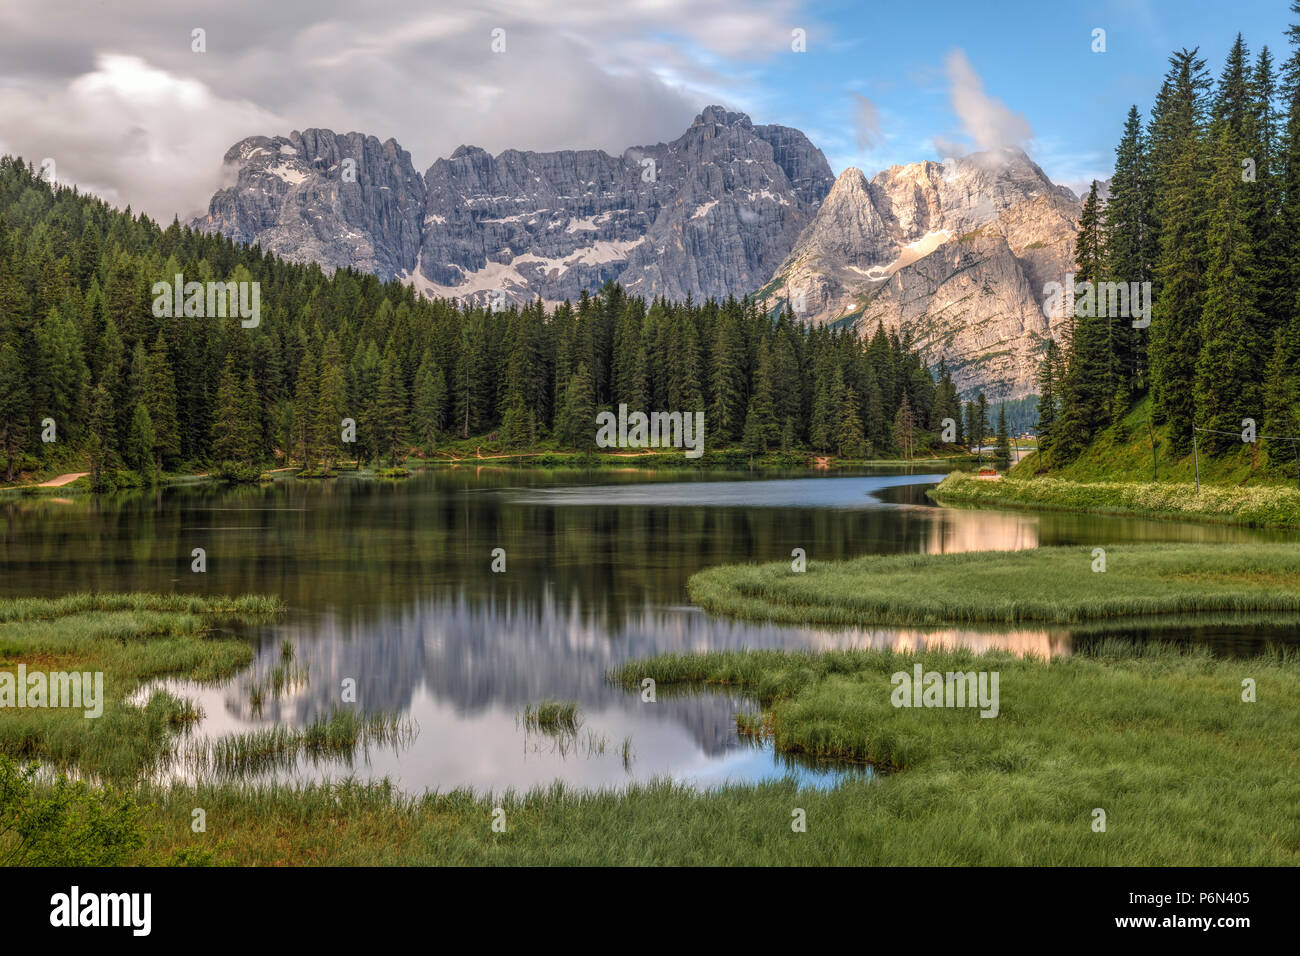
<point>1155,473</point>
<point>1196,458</point>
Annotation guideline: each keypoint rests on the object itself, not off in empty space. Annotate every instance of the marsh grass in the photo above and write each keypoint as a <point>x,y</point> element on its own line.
<point>286,677</point>
<point>185,713</point>
<point>1159,737</point>
<point>41,608</point>
<point>131,638</point>
<point>752,726</point>
<point>1043,585</point>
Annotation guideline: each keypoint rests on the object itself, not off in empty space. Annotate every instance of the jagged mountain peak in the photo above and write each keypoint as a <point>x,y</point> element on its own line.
<point>721,116</point>
<point>850,180</point>
<point>466,150</point>
<point>955,251</point>
<point>709,214</point>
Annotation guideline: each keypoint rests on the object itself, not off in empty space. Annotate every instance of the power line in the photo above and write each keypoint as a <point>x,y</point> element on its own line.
<point>1196,456</point>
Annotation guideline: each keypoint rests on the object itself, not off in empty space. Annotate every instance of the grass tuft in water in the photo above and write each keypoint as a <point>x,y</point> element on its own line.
<point>336,737</point>
<point>552,716</point>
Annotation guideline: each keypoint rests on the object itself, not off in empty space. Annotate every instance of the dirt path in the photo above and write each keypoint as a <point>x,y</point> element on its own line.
<point>62,480</point>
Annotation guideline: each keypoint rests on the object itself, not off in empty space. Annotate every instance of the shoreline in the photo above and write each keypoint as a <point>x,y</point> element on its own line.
<point>1260,506</point>
<point>75,482</point>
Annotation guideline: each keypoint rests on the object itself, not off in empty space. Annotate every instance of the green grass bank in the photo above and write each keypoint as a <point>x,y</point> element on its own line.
<point>1043,586</point>
<point>1253,505</point>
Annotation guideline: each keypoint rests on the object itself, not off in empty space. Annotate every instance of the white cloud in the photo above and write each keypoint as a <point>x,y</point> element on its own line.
<point>118,97</point>
<point>987,121</point>
<point>131,133</point>
<point>866,121</point>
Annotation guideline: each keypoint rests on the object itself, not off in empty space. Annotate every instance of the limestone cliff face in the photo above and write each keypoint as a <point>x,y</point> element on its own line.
<point>954,253</point>
<point>711,213</point>
<point>292,196</point>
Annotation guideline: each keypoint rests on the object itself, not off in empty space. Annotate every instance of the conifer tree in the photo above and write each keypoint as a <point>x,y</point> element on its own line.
<point>762,403</point>
<point>304,404</point>
<point>98,453</point>
<point>111,361</point>
<point>64,375</point>
<point>580,410</point>
<point>429,403</point>
<point>905,429</point>
<point>1002,456</point>
<point>391,412</point>
<point>788,436</point>
<point>1178,152</point>
<point>140,443</point>
<point>727,411</point>
<point>1282,400</point>
<point>827,400</point>
<point>13,409</point>
<point>1129,230</point>
<point>1226,370</point>
<point>850,442</point>
<point>331,402</point>
<point>1049,373</point>
<point>752,438</point>
<point>1088,386</point>
<point>160,401</point>
<point>230,427</point>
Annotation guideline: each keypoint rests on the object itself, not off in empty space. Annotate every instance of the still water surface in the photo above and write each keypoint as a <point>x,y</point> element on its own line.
<point>391,584</point>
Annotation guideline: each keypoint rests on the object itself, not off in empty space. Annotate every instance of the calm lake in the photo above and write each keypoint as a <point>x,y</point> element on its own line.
<point>391,584</point>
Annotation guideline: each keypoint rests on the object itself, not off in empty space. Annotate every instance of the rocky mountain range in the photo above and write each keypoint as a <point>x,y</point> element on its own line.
<point>957,253</point>
<point>712,213</point>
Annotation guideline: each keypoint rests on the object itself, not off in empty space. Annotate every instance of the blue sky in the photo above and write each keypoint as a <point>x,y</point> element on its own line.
<point>1034,57</point>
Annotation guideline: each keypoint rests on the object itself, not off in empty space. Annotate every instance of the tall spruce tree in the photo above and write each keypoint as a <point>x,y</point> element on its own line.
<point>391,411</point>
<point>1049,377</point>
<point>1088,387</point>
<point>13,409</point>
<point>160,400</point>
<point>1129,229</point>
<point>1002,454</point>
<point>1178,152</point>
<point>1227,366</point>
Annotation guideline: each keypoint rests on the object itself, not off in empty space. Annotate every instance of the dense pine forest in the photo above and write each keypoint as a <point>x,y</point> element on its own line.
<point>89,374</point>
<point>1204,205</point>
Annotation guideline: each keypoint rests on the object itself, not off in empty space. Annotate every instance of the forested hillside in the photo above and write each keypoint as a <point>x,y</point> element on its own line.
<point>1205,206</point>
<point>81,347</point>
